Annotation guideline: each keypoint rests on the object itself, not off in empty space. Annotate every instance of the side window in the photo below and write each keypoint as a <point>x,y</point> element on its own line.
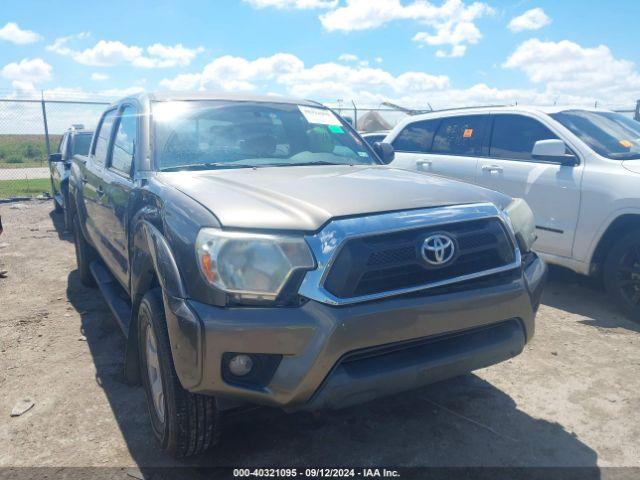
<point>460,135</point>
<point>62,148</point>
<point>513,136</point>
<point>102,140</point>
<point>124,145</point>
<point>416,137</point>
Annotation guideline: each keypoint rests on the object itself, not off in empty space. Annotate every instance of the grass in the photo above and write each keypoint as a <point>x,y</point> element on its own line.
<point>20,151</point>
<point>24,188</point>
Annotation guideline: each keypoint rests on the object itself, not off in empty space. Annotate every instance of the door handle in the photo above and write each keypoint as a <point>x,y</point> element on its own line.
<point>84,180</point>
<point>100,192</point>
<point>421,164</point>
<point>492,168</point>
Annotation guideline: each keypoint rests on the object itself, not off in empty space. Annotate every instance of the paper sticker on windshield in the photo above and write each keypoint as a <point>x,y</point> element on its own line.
<point>363,154</point>
<point>626,143</point>
<point>468,133</point>
<point>335,129</point>
<point>319,116</point>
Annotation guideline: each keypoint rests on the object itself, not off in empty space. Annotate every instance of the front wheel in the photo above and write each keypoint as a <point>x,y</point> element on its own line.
<point>622,274</point>
<point>184,423</point>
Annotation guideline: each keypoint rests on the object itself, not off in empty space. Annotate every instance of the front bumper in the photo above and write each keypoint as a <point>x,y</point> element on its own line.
<point>337,356</point>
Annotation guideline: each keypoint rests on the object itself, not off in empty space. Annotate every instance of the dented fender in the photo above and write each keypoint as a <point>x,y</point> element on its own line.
<point>153,259</point>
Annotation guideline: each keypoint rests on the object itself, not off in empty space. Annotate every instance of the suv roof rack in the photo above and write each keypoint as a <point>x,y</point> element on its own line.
<point>474,107</point>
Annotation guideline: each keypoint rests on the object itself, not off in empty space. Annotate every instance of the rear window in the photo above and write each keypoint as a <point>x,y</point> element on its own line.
<point>460,135</point>
<point>81,144</point>
<point>416,137</point>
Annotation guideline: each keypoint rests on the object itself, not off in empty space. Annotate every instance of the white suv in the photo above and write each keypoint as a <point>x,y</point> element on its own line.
<point>578,169</point>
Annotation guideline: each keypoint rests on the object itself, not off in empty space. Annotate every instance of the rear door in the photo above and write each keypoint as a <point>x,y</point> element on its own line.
<point>551,189</point>
<point>118,180</point>
<point>93,190</point>
<point>448,146</point>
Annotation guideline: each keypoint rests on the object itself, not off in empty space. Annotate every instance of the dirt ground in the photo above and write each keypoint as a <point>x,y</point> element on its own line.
<point>571,399</point>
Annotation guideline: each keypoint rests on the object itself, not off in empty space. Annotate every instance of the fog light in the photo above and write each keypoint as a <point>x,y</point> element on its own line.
<point>240,365</point>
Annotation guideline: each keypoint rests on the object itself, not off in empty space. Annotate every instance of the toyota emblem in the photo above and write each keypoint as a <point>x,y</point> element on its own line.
<point>438,249</point>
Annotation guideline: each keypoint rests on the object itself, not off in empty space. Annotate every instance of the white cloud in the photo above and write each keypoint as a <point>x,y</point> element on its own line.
<point>348,57</point>
<point>299,4</point>
<point>11,32</point>
<point>108,53</point>
<point>26,73</point>
<point>566,68</point>
<point>562,71</point>
<point>533,19</point>
<point>99,77</point>
<point>451,23</point>
<point>293,77</point>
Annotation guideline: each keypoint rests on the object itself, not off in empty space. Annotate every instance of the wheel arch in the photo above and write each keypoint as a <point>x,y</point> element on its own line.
<point>153,266</point>
<point>621,225</point>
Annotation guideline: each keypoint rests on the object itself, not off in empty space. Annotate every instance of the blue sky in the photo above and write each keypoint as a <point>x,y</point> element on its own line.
<point>445,53</point>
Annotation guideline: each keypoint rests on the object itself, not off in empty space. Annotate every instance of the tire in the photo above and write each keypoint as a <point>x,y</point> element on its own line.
<point>85,254</point>
<point>621,274</point>
<point>184,423</point>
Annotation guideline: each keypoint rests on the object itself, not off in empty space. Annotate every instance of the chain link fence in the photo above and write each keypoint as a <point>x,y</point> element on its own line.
<point>30,129</point>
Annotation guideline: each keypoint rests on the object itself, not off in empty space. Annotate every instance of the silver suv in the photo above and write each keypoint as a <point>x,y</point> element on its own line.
<point>578,169</point>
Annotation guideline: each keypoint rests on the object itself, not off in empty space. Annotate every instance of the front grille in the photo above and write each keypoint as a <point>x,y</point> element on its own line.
<point>393,261</point>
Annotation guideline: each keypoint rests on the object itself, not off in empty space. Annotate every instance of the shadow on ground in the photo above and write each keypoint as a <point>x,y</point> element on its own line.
<point>583,296</point>
<point>58,222</point>
<point>461,422</point>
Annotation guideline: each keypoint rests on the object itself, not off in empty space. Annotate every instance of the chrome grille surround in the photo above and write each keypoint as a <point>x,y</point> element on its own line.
<point>326,244</point>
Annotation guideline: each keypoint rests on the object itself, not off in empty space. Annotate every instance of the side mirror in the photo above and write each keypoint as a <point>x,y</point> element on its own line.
<point>384,151</point>
<point>55,157</point>
<point>553,150</point>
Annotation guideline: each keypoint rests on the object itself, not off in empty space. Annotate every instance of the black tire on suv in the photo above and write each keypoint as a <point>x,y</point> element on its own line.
<point>85,254</point>
<point>184,423</point>
<point>622,274</point>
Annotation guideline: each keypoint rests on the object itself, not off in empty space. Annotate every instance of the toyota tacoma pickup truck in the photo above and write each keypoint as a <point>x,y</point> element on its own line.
<point>578,169</point>
<point>75,141</point>
<point>256,250</point>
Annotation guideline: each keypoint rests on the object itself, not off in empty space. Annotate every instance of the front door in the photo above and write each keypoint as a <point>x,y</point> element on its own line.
<point>118,178</point>
<point>552,190</point>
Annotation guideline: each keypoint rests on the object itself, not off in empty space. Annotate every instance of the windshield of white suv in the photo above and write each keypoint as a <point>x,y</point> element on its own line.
<point>192,135</point>
<point>611,135</point>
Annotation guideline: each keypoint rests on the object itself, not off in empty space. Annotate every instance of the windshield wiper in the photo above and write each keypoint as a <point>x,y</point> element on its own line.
<point>302,164</point>
<point>205,166</point>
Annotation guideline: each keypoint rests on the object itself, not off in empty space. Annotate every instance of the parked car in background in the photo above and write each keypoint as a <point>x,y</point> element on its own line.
<point>578,169</point>
<point>75,141</point>
<point>373,137</point>
<point>255,250</point>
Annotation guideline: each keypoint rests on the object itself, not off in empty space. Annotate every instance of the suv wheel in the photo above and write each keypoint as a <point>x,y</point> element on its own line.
<point>85,254</point>
<point>622,274</point>
<point>184,423</point>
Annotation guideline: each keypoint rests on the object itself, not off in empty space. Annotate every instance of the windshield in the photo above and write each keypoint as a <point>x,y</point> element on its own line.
<point>81,144</point>
<point>611,135</point>
<point>223,134</point>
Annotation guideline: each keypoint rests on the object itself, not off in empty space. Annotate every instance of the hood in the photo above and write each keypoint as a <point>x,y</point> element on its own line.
<point>632,165</point>
<point>304,198</point>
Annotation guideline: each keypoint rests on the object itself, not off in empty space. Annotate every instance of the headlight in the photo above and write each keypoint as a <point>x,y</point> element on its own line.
<point>523,222</point>
<point>250,266</point>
